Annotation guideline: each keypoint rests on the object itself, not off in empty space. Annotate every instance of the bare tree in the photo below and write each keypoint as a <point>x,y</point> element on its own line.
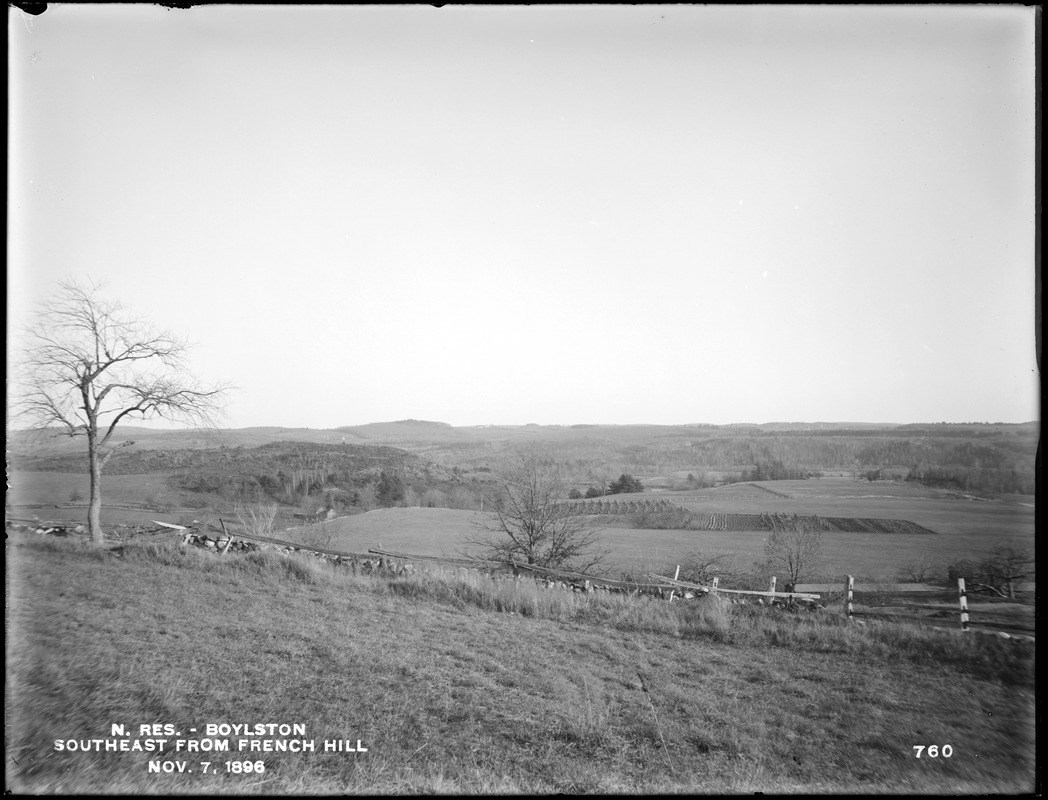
<point>257,520</point>
<point>703,566</point>
<point>323,535</point>
<point>794,550</point>
<point>999,573</point>
<point>533,523</point>
<point>1006,567</point>
<point>920,571</point>
<point>87,366</point>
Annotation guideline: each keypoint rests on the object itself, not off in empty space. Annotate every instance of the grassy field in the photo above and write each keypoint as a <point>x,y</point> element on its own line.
<point>964,528</point>
<point>64,495</point>
<point>467,685</point>
<point>945,513</point>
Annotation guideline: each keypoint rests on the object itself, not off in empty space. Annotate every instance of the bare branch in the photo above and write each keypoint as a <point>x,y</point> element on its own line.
<point>794,549</point>
<point>86,366</point>
<point>533,523</point>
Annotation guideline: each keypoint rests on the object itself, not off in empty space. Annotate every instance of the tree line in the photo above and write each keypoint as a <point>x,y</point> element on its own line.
<point>624,484</point>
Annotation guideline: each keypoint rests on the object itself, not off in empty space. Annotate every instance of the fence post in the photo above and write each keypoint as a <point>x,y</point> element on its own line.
<point>229,539</point>
<point>964,604</point>
<point>675,576</point>
<point>771,586</point>
<point>849,586</point>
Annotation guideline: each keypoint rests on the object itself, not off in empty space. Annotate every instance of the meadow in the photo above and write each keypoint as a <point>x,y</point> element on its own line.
<point>964,528</point>
<point>461,684</point>
<point>64,495</point>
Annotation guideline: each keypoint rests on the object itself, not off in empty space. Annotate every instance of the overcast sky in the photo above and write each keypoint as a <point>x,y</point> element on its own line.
<point>591,214</point>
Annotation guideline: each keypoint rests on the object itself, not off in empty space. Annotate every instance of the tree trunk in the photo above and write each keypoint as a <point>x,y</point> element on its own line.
<point>94,510</point>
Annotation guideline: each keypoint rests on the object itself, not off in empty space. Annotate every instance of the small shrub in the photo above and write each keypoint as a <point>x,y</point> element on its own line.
<point>257,519</point>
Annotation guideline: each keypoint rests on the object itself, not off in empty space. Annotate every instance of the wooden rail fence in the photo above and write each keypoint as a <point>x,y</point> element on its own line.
<point>876,598</point>
<point>715,588</point>
<point>873,596</point>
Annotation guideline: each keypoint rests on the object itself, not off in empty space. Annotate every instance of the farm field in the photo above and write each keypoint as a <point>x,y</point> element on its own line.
<point>440,532</point>
<point>419,531</point>
<point>942,512</point>
<point>872,555</point>
<point>126,499</point>
<point>57,488</point>
<point>964,528</point>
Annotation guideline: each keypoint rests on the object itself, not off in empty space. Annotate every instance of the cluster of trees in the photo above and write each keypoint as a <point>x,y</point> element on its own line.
<point>301,474</point>
<point>775,470</point>
<point>364,491</point>
<point>701,482</point>
<point>624,484</point>
<point>992,480</point>
<point>389,489</point>
<point>301,487</point>
<point>1001,459</point>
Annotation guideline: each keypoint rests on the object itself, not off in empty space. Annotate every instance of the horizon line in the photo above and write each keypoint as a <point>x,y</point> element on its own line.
<point>146,424</point>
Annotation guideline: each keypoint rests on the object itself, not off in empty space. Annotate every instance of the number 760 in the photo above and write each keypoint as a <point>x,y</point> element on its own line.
<point>934,751</point>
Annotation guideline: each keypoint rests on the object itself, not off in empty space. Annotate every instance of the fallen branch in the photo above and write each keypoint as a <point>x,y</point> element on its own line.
<point>990,588</point>
<point>169,525</point>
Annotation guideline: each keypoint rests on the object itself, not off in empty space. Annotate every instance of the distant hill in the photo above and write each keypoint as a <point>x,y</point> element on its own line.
<point>987,457</point>
<point>401,429</point>
<point>46,443</point>
<point>34,443</point>
<point>272,457</point>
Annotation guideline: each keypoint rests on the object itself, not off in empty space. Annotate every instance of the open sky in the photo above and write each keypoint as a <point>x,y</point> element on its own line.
<point>550,214</point>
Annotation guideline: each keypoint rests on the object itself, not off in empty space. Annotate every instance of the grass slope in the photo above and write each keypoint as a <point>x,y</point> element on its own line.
<point>463,685</point>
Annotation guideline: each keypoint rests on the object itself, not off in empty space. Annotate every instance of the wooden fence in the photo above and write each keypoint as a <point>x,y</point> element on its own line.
<point>873,596</point>
<point>715,588</point>
<point>897,601</point>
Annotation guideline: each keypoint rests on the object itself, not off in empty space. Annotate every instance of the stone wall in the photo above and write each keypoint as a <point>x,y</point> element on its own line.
<point>359,563</point>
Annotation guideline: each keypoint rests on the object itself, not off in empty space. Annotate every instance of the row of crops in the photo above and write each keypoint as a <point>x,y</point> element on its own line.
<point>719,521</point>
<point>867,525</point>
<point>603,506</point>
<point>789,522</point>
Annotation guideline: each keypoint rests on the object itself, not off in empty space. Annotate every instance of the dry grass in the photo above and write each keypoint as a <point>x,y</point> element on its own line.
<point>460,684</point>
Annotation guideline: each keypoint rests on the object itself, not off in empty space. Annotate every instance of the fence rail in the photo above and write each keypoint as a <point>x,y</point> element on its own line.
<point>702,588</point>
<point>873,596</point>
